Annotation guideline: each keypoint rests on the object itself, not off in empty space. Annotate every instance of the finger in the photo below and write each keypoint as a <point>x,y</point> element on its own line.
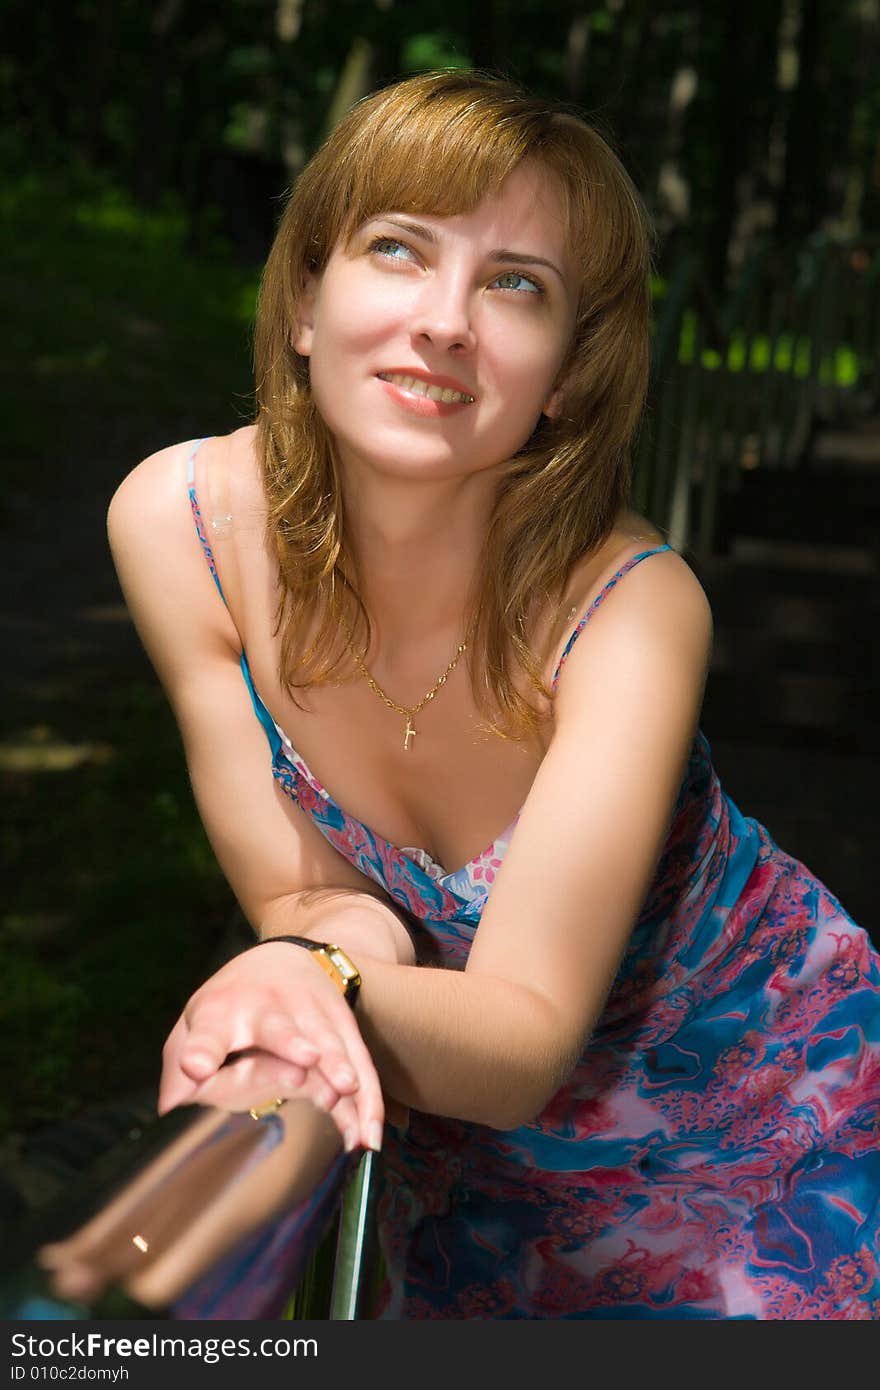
<point>348,1041</point>
<point>208,1041</point>
<point>369,1099</point>
<point>250,1081</point>
<point>318,1090</point>
<point>276,1032</point>
<point>343,1112</point>
<point>178,1091</point>
<point>259,1069</point>
<point>175,1087</point>
<point>301,1051</point>
<point>345,1117</point>
<point>253,1078</point>
<point>334,1061</point>
<point>202,1055</point>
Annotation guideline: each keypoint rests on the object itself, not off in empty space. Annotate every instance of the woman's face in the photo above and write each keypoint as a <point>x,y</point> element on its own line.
<point>479,306</point>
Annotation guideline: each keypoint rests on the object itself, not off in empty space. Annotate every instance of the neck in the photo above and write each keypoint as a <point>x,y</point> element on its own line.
<point>418,547</point>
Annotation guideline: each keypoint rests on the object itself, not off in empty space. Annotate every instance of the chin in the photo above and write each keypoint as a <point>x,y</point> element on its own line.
<point>404,461</point>
<point>416,470</point>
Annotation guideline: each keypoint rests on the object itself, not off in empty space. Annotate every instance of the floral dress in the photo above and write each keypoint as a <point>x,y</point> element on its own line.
<point>716,1151</point>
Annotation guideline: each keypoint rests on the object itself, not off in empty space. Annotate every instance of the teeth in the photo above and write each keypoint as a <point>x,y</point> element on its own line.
<point>424,388</point>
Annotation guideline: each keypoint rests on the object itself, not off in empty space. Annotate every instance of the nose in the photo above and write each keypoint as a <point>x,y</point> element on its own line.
<point>442,314</point>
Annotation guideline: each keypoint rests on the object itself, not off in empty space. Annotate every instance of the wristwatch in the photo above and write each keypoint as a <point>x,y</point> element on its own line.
<point>332,960</point>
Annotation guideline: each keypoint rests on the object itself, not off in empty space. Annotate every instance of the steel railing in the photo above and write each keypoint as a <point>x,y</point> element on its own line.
<point>211,1215</point>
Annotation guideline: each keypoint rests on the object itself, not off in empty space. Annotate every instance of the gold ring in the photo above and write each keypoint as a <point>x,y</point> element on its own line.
<point>257,1112</point>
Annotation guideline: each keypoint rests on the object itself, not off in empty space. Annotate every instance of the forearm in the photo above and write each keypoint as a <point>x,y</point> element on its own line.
<point>465,1045</point>
<point>448,1042</point>
<point>359,922</point>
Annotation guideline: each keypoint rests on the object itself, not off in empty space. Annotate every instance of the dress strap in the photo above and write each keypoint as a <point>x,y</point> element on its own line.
<point>219,524</point>
<point>615,578</point>
<point>197,515</point>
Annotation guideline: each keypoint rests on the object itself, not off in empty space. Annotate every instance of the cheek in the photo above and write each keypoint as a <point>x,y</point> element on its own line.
<point>524,363</point>
<point>352,330</point>
<point>348,333</point>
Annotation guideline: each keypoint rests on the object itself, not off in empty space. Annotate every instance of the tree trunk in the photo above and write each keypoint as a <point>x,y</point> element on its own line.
<point>800,203</point>
<point>153,118</point>
<point>731,88</point>
<point>95,143</point>
<point>577,49</point>
<point>488,39</point>
<point>355,81</point>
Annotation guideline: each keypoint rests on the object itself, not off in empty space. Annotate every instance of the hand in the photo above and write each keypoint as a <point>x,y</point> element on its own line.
<point>269,1024</point>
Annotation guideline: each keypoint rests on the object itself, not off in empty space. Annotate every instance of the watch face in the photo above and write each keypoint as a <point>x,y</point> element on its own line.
<point>344,966</point>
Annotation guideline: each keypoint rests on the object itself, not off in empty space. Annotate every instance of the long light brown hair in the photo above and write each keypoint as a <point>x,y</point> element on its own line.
<point>437,144</point>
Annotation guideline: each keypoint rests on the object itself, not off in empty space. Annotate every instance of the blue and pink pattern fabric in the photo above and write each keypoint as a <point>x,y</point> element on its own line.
<point>716,1151</point>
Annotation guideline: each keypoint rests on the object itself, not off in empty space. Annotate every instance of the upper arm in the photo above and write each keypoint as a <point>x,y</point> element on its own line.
<point>268,849</point>
<point>581,862</point>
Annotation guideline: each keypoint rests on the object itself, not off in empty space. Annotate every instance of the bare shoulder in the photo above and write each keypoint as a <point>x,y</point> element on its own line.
<point>149,506</point>
<point>155,486</point>
<point>159,558</point>
<point>242,447</point>
<point>662,587</point>
<point>656,621</point>
<point>244,471</point>
<point>668,584</point>
<point>658,600</point>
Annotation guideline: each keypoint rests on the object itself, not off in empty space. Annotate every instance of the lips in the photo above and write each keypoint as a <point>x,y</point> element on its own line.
<point>411,395</point>
<point>407,377</point>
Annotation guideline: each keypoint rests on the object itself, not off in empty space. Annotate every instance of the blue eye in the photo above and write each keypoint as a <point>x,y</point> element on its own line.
<point>382,241</point>
<point>526,280</point>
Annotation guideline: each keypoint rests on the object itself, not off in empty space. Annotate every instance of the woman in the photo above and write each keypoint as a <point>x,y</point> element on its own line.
<point>647,1085</point>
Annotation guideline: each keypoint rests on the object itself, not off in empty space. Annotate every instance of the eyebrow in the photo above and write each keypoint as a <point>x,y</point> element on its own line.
<point>499,257</point>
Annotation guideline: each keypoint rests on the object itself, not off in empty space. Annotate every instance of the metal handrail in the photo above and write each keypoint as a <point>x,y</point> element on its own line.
<point>355,1245</point>
<point>211,1215</point>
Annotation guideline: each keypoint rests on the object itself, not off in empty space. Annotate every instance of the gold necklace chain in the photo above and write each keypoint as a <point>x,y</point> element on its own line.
<point>408,711</point>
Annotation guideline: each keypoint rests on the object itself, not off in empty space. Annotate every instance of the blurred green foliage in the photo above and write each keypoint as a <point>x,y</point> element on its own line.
<point>118,341</point>
<point>762,113</point>
<point>109,318</point>
<point>114,906</point>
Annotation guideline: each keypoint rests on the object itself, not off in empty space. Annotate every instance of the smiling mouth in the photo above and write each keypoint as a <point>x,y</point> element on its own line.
<point>445,394</point>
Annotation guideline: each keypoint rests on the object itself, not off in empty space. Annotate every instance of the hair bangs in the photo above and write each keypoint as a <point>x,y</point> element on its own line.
<point>439,156</point>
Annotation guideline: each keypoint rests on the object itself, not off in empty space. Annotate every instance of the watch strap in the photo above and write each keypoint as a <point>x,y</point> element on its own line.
<point>331,958</point>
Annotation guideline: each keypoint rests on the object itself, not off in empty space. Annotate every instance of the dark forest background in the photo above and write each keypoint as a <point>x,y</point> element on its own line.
<point>734,118</point>
<point>146,149</point>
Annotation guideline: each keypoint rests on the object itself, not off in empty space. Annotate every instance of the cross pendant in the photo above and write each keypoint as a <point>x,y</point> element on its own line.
<point>410,733</point>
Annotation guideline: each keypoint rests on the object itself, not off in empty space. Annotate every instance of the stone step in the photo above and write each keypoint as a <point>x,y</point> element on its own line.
<point>815,557</point>
<point>779,598</point>
<point>816,505</point>
<point>771,648</point>
<point>792,710</point>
